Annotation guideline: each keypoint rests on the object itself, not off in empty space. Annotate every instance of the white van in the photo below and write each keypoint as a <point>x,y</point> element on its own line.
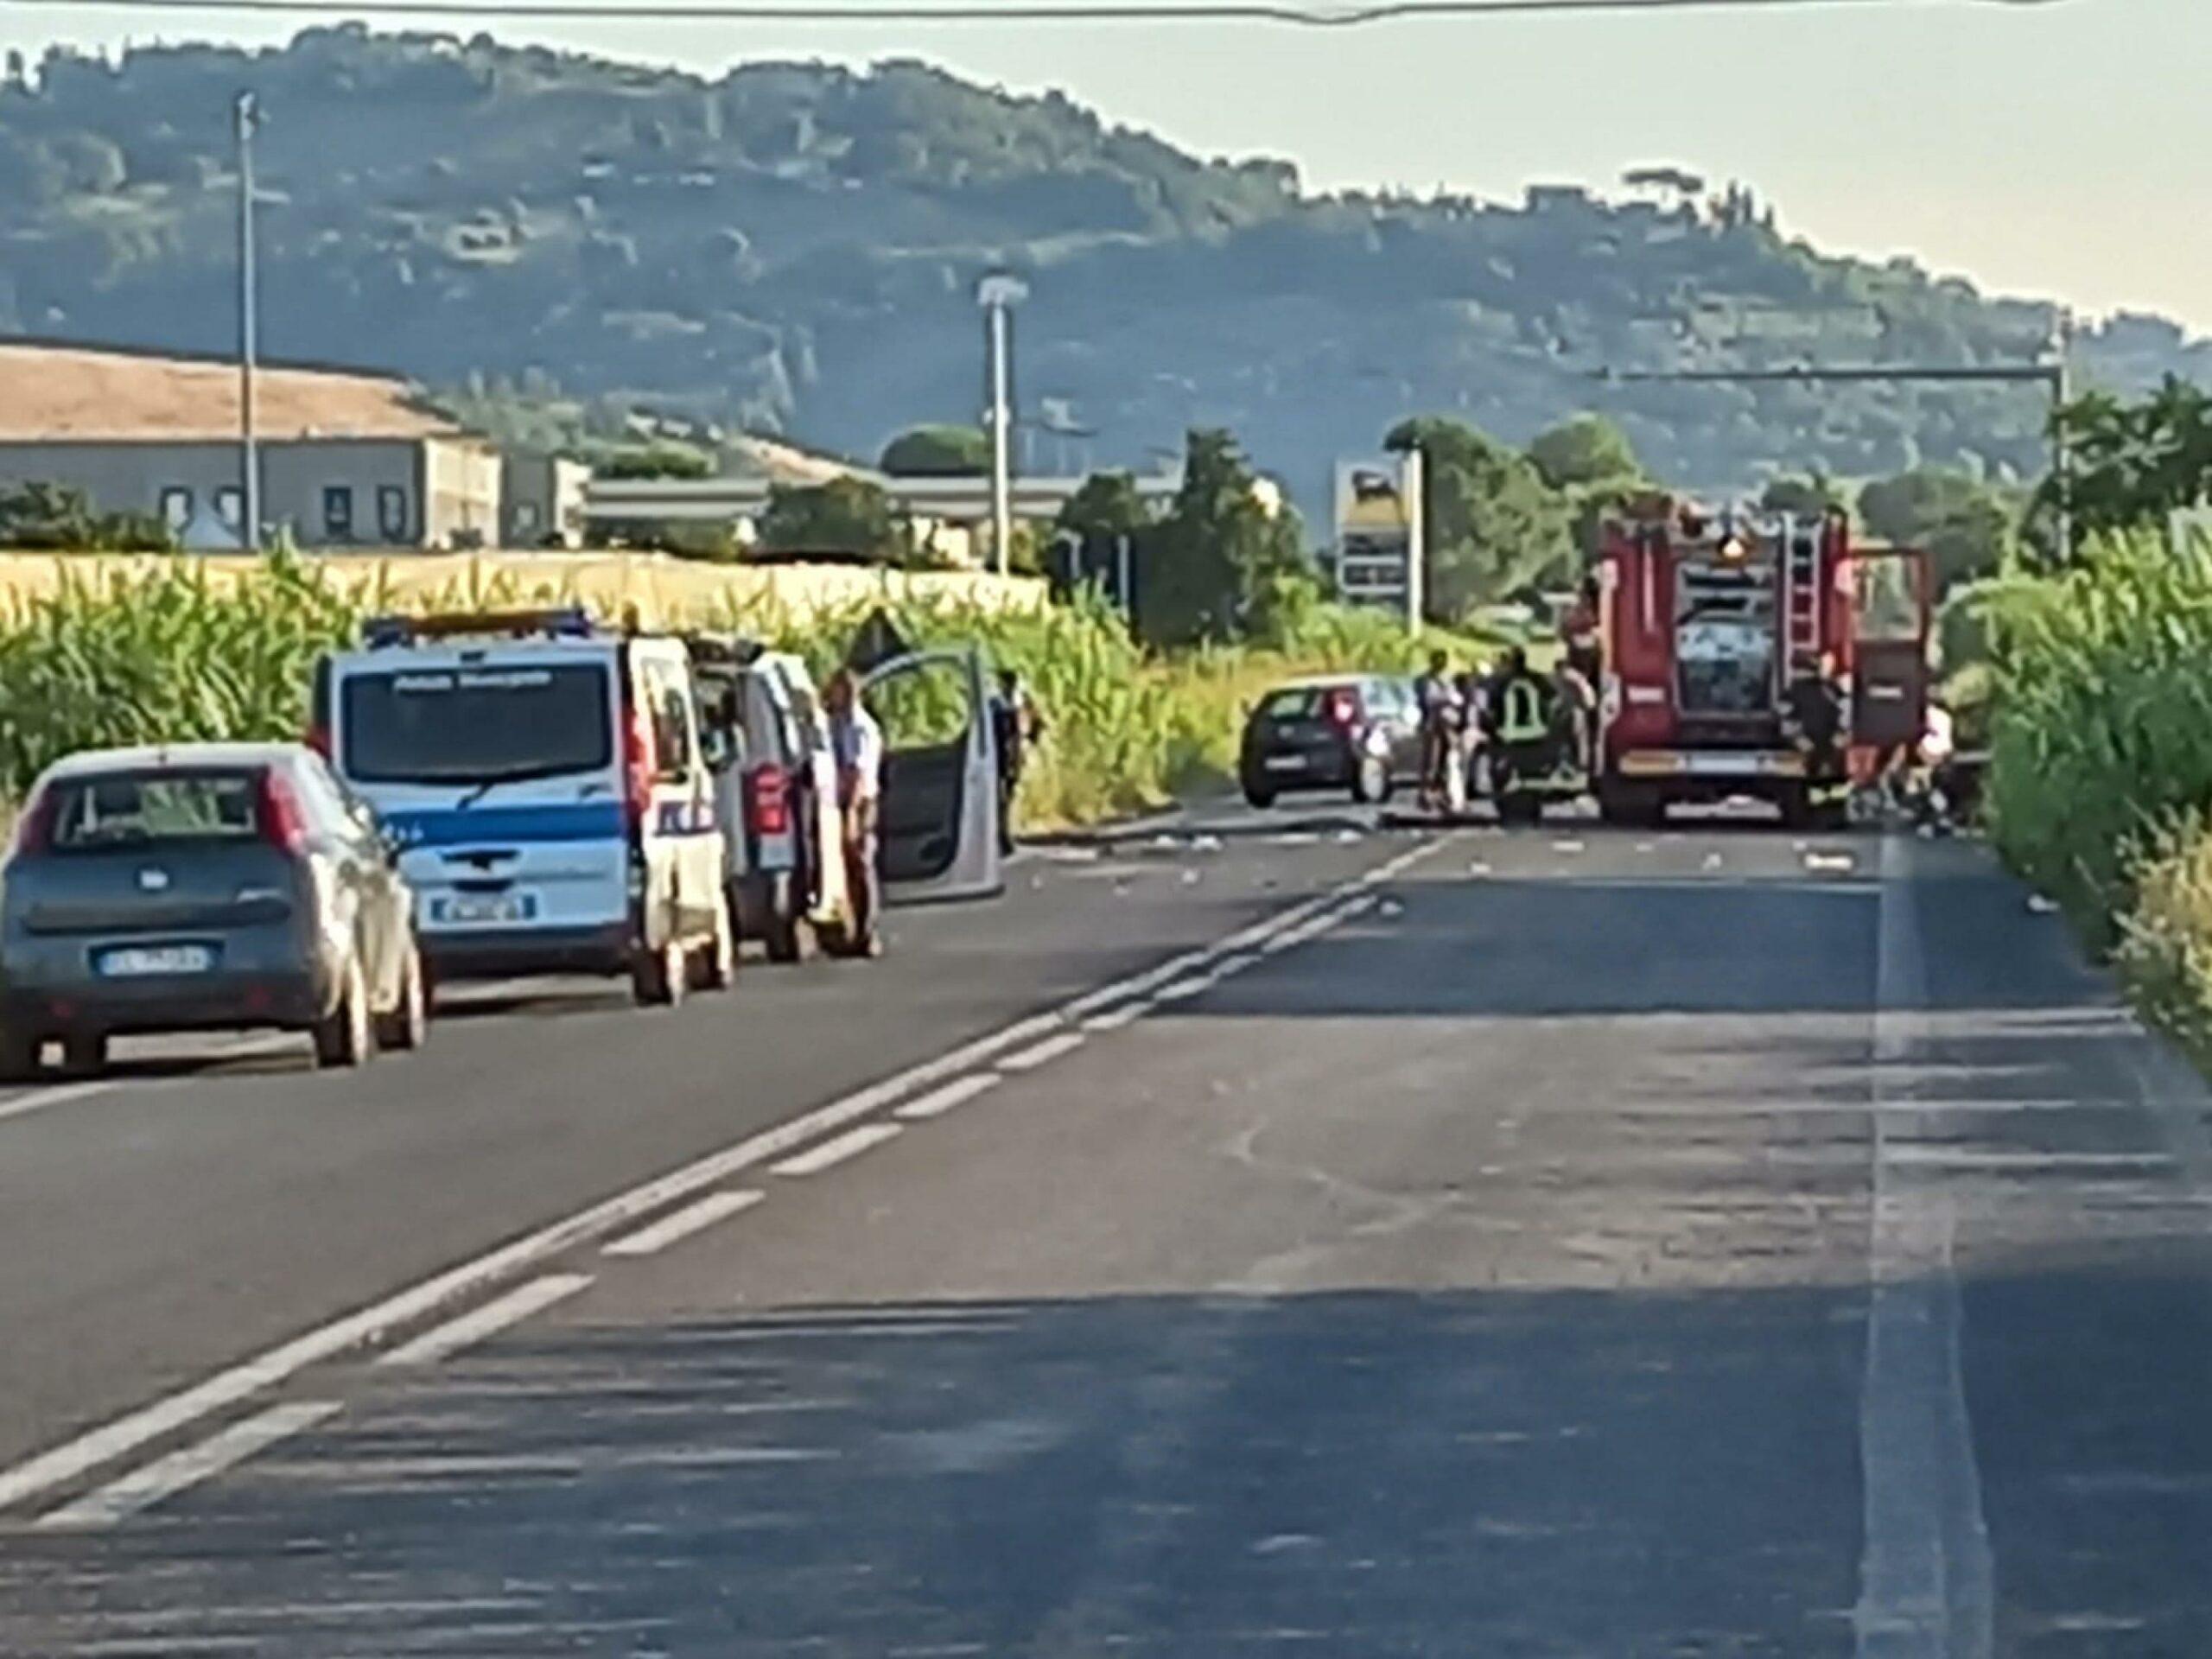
<point>544,781</point>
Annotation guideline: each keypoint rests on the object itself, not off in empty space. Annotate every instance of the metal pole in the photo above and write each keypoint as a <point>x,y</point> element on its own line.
<point>249,465</point>
<point>1001,503</point>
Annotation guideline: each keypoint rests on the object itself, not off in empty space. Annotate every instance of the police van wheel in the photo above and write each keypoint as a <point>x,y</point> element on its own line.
<point>657,976</point>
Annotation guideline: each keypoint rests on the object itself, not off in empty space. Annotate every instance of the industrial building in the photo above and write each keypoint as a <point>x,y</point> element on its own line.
<point>345,459</point>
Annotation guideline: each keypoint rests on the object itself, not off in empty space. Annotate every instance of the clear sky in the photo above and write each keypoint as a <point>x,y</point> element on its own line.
<point>2062,149</point>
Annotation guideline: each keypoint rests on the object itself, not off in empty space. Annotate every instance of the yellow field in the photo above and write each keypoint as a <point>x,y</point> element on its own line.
<point>666,591</point>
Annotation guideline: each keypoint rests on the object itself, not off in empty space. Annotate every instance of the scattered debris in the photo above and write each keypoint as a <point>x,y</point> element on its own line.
<point>2039,906</point>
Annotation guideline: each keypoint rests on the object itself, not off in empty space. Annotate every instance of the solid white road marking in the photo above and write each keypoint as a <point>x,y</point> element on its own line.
<point>1043,1053</point>
<point>61,1463</point>
<point>1230,967</point>
<point>163,1478</point>
<point>946,1096</point>
<point>494,1316</point>
<point>1182,989</point>
<point>1937,1156</point>
<point>650,1240</point>
<point>1924,1568</point>
<point>835,1151</point>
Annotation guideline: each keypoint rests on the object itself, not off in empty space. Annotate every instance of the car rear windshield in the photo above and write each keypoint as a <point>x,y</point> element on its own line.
<point>475,723</point>
<point>139,809</point>
<point>1297,701</point>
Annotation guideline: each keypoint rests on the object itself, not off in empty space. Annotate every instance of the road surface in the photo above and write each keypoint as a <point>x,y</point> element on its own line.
<point>1258,1239</point>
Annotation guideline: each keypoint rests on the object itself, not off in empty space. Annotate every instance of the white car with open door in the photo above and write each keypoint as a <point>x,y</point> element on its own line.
<point>939,824</point>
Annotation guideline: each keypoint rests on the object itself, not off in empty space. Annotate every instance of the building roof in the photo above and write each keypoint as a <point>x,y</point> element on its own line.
<point>88,394</point>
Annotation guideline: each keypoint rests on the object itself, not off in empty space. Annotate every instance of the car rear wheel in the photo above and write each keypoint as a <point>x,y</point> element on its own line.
<point>343,1037</point>
<point>83,1054</point>
<point>22,1057</point>
<point>1370,783</point>
<point>1255,796</point>
<point>408,1021</point>
<point>657,976</point>
<point>789,938</point>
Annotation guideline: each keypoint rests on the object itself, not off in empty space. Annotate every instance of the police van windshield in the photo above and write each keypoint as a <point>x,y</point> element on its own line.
<point>476,724</point>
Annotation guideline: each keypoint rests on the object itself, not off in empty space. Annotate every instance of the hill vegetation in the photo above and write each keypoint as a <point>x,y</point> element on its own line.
<point>793,247</point>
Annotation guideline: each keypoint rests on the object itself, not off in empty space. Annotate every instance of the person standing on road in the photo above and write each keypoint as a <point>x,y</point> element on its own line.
<point>1015,725</point>
<point>857,741</point>
<point>1437,694</point>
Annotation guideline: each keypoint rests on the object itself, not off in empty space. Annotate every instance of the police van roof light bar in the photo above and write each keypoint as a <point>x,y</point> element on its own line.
<point>567,622</point>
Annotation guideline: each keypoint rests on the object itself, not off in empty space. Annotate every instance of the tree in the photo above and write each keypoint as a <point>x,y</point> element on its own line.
<point>1957,519</point>
<point>1492,523</point>
<point>655,461</point>
<point>1106,504</point>
<point>845,515</point>
<point>938,452</point>
<point>61,518</point>
<point>1807,497</point>
<point>2133,464</point>
<point>1225,564</point>
<point>1585,450</point>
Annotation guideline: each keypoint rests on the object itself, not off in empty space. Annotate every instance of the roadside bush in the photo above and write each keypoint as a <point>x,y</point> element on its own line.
<point>2102,729</point>
<point>2165,956</point>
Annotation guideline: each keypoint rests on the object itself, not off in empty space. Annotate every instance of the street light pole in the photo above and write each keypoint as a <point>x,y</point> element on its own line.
<point>998,294</point>
<point>249,464</point>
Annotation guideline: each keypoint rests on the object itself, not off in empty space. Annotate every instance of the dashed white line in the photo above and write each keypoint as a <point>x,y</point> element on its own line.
<point>1043,1053</point>
<point>943,1098</point>
<point>837,1149</point>
<point>494,1316</point>
<point>1115,1019</point>
<point>658,1237</point>
<point>165,1476</point>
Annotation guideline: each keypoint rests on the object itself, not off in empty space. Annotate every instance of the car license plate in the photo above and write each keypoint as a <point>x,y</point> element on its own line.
<point>141,961</point>
<point>463,909</point>
<point>1286,763</point>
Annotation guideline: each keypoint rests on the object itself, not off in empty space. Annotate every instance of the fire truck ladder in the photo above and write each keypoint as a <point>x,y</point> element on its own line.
<point>1800,576</point>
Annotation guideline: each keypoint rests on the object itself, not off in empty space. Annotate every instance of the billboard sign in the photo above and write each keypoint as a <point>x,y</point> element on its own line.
<point>1378,541</point>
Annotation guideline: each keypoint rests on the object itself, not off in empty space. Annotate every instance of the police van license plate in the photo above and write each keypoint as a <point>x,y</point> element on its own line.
<point>467,909</point>
<point>142,961</point>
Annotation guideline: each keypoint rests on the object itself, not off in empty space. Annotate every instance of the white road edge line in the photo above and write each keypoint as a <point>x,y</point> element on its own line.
<point>441,1341</point>
<point>836,1150</point>
<point>61,1463</point>
<point>165,1476</point>
<point>693,1217</point>
<point>943,1098</point>
<point>1043,1053</point>
<point>1115,1019</point>
<point>1924,1569</point>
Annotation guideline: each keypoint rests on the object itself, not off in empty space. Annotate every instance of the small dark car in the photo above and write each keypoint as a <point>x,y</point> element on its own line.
<point>201,886</point>
<point>1359,732</point>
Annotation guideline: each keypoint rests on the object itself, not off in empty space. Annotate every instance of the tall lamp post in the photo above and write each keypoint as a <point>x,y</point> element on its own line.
<point>249,116</point>
<point>998,294</point>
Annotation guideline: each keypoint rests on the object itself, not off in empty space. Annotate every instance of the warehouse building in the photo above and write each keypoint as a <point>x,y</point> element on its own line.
<point>346,459</point>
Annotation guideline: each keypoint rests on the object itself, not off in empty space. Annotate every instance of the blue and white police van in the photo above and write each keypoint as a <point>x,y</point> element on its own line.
<point>544,782</point>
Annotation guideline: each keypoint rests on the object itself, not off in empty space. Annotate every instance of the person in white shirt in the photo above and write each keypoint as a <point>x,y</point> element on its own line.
<point>857,741</point>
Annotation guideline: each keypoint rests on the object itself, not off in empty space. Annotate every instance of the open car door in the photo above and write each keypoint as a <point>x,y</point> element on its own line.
<point>1889,663</point>
<point>939,825</point>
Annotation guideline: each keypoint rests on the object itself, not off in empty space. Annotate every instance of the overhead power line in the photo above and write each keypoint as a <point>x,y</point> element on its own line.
<point>1080,11</point>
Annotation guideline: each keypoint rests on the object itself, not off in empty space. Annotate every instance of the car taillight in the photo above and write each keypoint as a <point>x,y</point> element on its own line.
<point>282,825</point>
<point>319,740</point>
<point>637,764</point>
<point>1344,707</point>
<point>768,801</point>
<point>35,829</point>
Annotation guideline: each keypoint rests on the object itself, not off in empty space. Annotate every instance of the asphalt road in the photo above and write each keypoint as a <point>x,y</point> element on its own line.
<point>1276,1240</point>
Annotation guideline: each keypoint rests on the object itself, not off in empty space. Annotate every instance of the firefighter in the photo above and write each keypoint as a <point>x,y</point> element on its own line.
<point>1813,717</point>
<point>1519,721</point>
<point>1579,632</point>
<point>1574,711</point>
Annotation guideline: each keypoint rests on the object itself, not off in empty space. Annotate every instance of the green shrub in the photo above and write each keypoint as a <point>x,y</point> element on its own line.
<point>2165,944</point>
<point>2102,730</point>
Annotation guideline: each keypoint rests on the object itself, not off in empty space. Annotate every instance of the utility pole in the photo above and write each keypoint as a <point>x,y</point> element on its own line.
<point>2062,456</point>
<point>249,116</point>
<point>998,294</point>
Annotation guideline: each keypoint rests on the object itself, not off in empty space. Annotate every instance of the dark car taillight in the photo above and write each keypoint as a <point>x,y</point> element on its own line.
<point>35,829</point>
<point>282,824</point>
<point>768,801</point>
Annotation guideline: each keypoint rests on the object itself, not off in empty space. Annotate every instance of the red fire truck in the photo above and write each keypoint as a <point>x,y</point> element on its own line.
<point>1706,621</point>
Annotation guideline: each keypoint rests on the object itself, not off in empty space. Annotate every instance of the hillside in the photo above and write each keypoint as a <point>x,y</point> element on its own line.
<point>793,246</point>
